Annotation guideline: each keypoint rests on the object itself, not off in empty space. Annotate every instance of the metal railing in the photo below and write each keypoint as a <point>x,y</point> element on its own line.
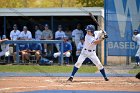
<point>17,42</point>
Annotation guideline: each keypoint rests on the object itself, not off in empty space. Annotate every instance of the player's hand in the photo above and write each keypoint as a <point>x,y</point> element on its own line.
<point>105,36</point>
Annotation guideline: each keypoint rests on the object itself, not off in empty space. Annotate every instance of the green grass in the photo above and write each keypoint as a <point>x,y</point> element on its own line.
<point>135,70</point>
<point>44,69</point>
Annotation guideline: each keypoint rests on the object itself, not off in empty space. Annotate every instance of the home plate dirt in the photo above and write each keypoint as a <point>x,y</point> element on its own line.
<point>23,84</point>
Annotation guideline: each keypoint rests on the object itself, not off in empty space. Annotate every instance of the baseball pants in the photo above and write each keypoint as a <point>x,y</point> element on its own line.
<point>92,56</point>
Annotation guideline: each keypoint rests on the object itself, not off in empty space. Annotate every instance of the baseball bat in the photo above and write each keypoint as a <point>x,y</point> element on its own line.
<point>96,22</point>
<point>93,18</point>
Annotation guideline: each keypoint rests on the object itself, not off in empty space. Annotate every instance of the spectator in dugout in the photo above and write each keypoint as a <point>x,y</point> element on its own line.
<point>5,47</point>
<point>38,33</point>
<point>68,33</point>
<point>66,52</point>
<point>25,34</point>
<point>59,34</point>
<point>80,46</point>
<point>35,49</point>
<point>23,51</point>
<point>46,35</point>
<point>14,34</point>
<point>77,34</point>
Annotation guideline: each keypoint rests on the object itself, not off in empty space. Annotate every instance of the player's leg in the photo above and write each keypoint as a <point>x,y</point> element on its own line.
<point>56,54</point>
<point>38,56</point>
<point>45,48</point>
<point>23,56</point>
<point>67,55</point>
<point>77,65</point>
<point>14,57</point>
<point>57,47</point>
<point>4,51</point>
<point>137,57</point>
<point>27,56</point>
<point>98,64</point>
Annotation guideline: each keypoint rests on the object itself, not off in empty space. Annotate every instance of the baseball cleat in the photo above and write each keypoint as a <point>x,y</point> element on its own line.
<point>106,79</point>
<point>70,79</point>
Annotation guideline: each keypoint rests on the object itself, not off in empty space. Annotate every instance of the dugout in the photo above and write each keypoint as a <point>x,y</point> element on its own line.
<point>67,17</point>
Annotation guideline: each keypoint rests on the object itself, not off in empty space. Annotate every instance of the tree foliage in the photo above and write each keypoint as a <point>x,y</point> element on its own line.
<point>49,3</point>
<point>91,3</point>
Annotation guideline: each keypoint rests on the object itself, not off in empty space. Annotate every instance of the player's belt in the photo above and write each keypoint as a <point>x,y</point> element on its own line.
<point>89,50</point>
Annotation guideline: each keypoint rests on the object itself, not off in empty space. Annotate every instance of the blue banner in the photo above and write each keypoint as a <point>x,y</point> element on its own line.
<point>122,17</point>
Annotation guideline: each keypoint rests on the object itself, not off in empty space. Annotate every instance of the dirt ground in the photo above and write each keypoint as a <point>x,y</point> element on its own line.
<point>22,84</point>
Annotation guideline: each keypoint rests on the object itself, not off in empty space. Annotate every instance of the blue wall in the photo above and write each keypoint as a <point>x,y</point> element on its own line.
<point>122,17</point>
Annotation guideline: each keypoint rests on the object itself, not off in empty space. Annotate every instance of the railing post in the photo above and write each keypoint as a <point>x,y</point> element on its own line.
<point>4,25</point>
<point>17,53</point>
<point>61,53</point>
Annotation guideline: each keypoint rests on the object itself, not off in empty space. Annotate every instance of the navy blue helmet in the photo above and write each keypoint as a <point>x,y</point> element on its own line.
<point>135,32</point>
<point>90,28</point>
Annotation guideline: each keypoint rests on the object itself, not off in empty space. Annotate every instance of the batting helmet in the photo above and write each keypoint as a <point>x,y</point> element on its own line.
<point>90,28</point>
<point>136,32</point>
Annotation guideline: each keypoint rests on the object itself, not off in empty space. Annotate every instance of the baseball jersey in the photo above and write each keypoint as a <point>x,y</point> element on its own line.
<point>89,40</point>
<point>77,34</point>
<point>38,34</point>
<point>27,35</point>
<point>14,34</point>
<point>35,47</point>
<point>136,38</point>
<point>80,46</point>
<point>47,34</point>
<point>59,34</point>
<point>23,47</point>
<point>67,46</point>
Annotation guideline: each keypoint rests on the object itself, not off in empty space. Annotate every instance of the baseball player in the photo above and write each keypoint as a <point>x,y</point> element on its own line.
<point>46,35</point>
<point>25,34</point>
<point>67,50</point>
<point>4,47</point>
<point>38,33</point>
<point>80,46</point>
<point>92,38</point>
<point>77,34</point>
<point>136,38</point>
<point>35,49</point>
<point>14,34</point>
<point>23,48</point>
<point>59,35</point>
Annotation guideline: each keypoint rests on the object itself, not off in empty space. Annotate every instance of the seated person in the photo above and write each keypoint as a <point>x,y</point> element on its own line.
<point>59,34</point>
<point>23,50</point>
<point>67,50</point>
<point>35,49</point>
<point>80,47</point>
<point>25,34</point>
<point>4,47</point>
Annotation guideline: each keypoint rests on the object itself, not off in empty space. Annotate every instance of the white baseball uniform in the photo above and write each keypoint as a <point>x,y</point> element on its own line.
<point>38,34</point>
<point>59,35</point>
<point>77,34</point>
<point>5,50</point>
<point>14,34</point>
<point>137,39</point>
<point>27,35</point>
<point>89,50</point>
